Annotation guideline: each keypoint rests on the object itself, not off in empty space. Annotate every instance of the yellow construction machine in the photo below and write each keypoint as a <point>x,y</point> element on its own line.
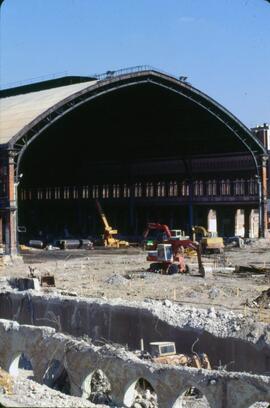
<point>108,237</point>
<point>209,242</point>
<point>164,352</point>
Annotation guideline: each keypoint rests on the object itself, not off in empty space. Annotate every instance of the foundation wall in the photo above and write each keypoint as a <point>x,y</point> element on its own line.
<point>126,324</point>
<point>42,344</point>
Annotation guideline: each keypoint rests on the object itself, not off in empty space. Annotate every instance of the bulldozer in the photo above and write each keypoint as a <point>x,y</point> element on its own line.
<point>209,242</point>
<point>164,352</point>
<point>108,237</point>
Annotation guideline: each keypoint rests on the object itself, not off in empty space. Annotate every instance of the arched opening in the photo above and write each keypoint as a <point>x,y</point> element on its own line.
<point>21,366</point>
<point>57,200</point>
<point>141,393</point>
<point>56,377</point>
<point>254,223</point>
<point>97,388</point>
<point>192,398</point>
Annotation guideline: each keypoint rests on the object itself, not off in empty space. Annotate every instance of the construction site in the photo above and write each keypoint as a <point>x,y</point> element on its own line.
<point>134,239</point>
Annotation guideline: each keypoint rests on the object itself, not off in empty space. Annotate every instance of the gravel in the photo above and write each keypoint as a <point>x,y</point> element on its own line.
<point>28,393</point>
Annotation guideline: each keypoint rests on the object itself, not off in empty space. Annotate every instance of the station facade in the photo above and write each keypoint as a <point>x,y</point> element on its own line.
<point>148,146</point>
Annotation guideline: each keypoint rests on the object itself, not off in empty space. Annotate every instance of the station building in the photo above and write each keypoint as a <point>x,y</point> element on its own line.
<point>150,147</point>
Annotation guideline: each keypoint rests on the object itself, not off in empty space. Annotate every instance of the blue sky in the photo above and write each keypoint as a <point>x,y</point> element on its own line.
<point>223,46</point>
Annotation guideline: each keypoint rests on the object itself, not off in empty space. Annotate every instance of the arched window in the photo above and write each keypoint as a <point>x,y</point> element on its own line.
<point>201,188</point>
<point>66,193</point>
<point>138,190</point>
<point>225,187</point>
<point>239,186</point>
<point>116,190</point>
<point>105,191</point>
<point>211,187</point>
<point>149,190</point>
<point>173,189</point>
<point>198,188</point>
<point>161,189</point>
<point>252,190</point>
<point>95,191</point>
<point>85,192</point>
<point>48,193</point>
<point>57,191</point>
<point>126,191</point>
<point>75,193</point>
<point>184,188</point>
<point>39,194</point>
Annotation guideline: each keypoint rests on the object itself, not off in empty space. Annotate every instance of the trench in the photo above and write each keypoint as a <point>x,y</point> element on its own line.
<point>126,325</point>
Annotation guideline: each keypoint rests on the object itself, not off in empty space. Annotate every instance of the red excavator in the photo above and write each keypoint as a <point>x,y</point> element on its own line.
<point>168,257</point>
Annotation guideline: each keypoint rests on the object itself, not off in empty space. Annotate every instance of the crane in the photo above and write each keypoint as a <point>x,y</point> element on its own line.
<point>108,236</point>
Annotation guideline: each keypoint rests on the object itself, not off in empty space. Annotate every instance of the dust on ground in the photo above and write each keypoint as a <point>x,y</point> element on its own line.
<point>122,273</point>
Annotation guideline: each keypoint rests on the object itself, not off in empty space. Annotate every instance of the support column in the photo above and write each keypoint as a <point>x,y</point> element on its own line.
<point>264,160</point>
<point>190,206</point>
<point>212,221</point>
<point>11,209</point>
<point>254,223</point>
<point>239,229</point>
<point>248,232</point>
<point>2,193</point>
<point>131,210</point>
<point>1,229</point>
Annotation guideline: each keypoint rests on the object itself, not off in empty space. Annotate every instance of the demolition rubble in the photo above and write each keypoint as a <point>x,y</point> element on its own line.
<point>97,328</point>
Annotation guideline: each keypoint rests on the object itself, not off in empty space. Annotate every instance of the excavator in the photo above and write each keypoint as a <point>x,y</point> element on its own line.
<point>209,242</point>
<point>108,237</point>
<point>164,232</point>
<point>168,257</point>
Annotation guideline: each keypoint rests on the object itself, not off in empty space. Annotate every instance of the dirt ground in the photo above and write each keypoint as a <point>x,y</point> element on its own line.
<point>122,273</point>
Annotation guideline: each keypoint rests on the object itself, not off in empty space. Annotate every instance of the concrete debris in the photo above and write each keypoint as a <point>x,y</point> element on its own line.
<point>144,398</point>
<point>140,275</point>
<point>27,393</point>
<point>235,242</point>
<point>24,283</point>
<point>213,293</point>
<point>262,301</point>
<point>251,269</point>
<point>167,303</point>
<point>117,280</point>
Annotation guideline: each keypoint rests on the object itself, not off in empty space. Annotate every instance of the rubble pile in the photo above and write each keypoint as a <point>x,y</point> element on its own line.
<point>27,393</point>
<point>117,280</point>
<point>100,389</point>
<point>263,300</point>
<point>6,386</point>
<point>144,398</point>
<point>219,323</point>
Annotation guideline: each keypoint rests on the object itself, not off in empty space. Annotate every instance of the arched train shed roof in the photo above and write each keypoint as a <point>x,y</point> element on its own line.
<point>23,117</point>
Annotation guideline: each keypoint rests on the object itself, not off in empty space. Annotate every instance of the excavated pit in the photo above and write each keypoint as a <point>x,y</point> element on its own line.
<point>231,341</point>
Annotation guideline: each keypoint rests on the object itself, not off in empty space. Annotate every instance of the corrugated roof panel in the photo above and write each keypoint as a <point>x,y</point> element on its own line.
<point>18,111</point>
